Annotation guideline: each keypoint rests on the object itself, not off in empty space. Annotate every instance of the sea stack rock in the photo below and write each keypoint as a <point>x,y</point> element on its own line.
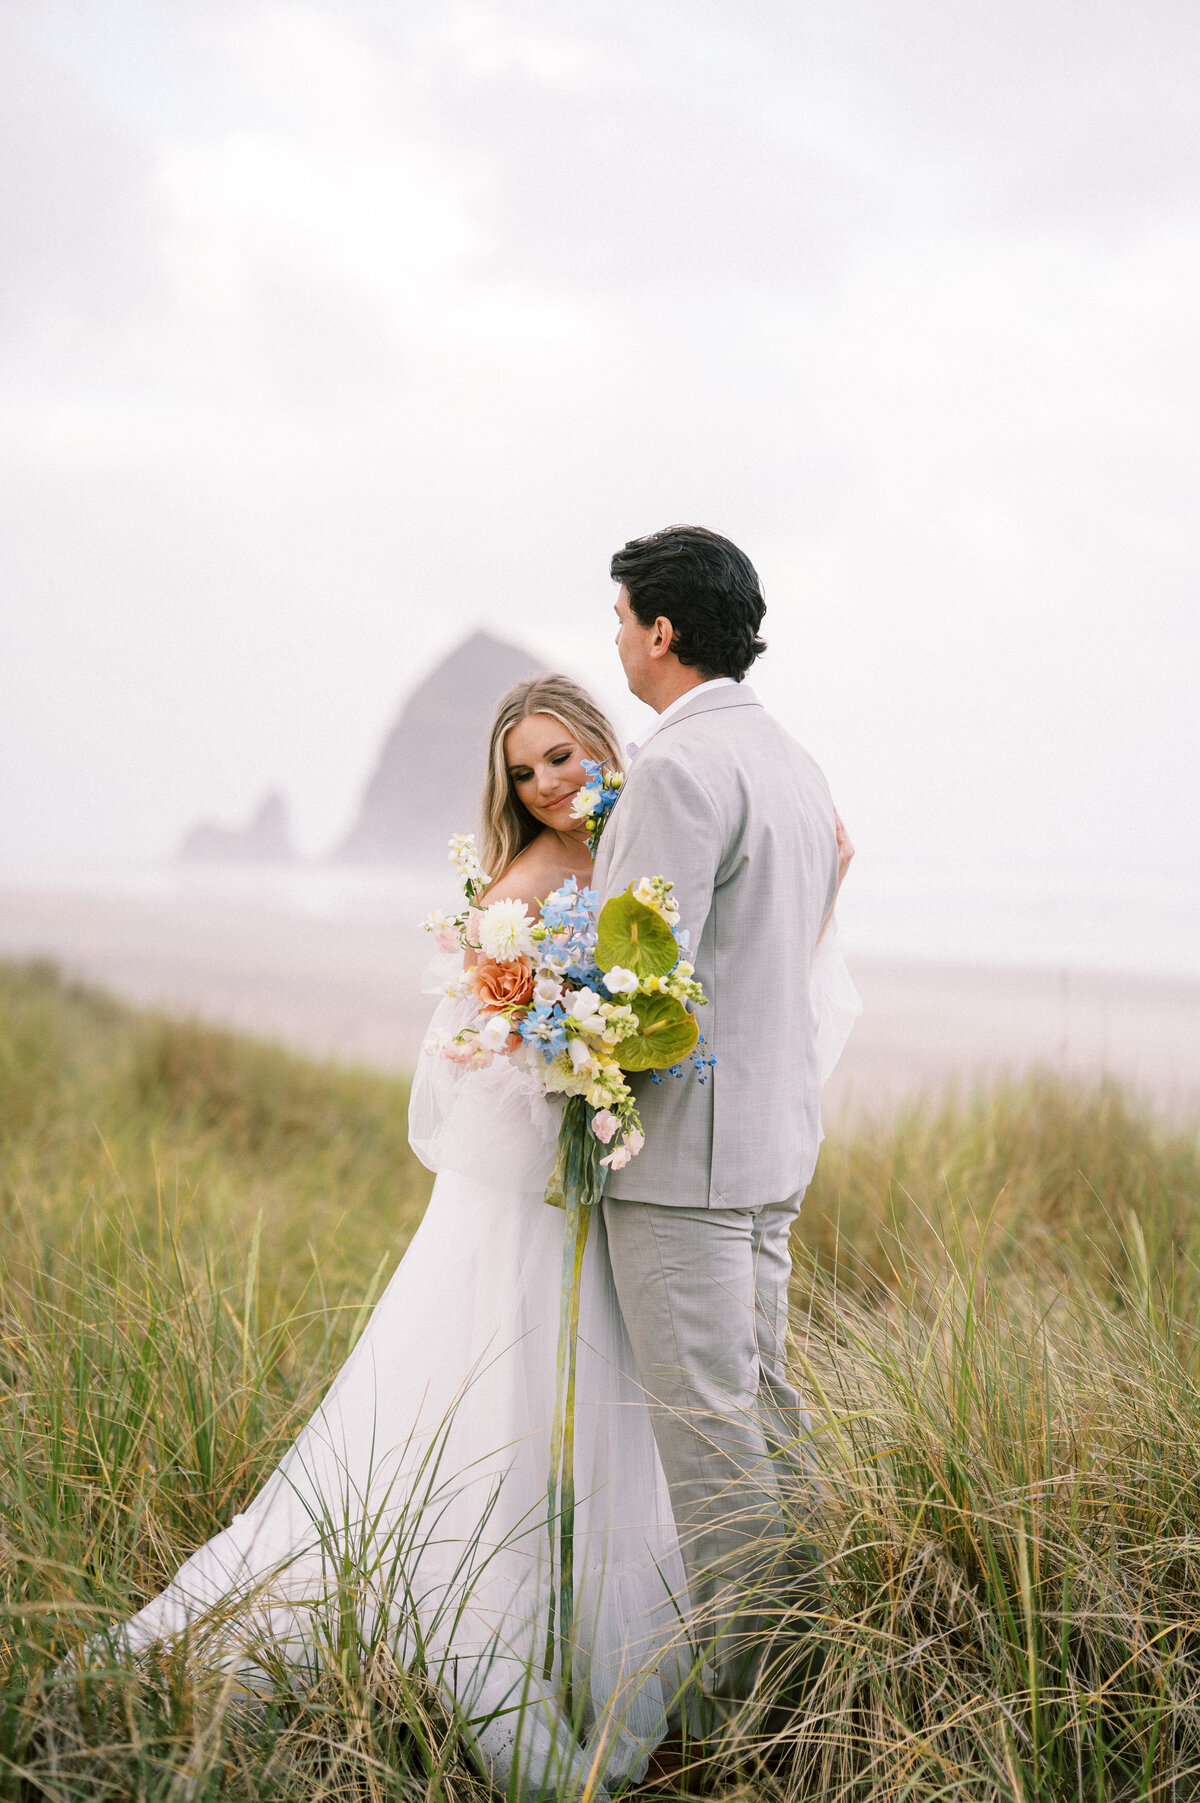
<point>427,782</point>
<point>265,839</point>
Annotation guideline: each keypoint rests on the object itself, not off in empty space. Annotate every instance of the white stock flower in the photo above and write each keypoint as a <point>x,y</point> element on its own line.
<point>548,988</point>
<point>465,860</point>
<point>495,1035</point>
<point>586,1009</point>
<point>504,932</point>
<point>655,892</point>
<point>619,981</point>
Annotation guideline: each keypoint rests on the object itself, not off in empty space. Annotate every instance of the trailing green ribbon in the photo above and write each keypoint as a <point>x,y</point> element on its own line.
<point>576,1187</point>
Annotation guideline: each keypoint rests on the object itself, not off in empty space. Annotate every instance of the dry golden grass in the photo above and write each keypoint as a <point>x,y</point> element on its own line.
<point>995,1317</point>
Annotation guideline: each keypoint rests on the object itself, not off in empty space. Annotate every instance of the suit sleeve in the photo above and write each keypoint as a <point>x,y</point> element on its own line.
<point>664,825</point>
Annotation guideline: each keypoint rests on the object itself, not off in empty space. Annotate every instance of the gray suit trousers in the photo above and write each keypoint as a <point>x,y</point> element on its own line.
<point>704,1294</point>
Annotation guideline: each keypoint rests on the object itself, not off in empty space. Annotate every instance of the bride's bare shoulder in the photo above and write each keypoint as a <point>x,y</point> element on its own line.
<point>524,880</point>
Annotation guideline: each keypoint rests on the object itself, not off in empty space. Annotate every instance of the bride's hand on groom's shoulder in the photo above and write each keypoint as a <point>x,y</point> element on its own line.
<point>845,851</point>
<point>845,846</point>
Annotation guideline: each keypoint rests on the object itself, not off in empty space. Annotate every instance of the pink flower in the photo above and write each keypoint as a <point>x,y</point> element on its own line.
<point>629,1148</point>
<point>446,939</point>
<point>604,1124</point>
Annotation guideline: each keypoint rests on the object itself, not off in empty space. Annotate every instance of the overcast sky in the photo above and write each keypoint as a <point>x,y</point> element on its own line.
<point>332,328</point>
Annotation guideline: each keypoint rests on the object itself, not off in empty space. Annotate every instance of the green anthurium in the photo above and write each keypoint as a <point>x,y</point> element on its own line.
<point>666,1032</point>
<point>635,937</point>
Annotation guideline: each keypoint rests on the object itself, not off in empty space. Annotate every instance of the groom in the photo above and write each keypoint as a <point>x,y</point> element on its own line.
<point>722,802</point>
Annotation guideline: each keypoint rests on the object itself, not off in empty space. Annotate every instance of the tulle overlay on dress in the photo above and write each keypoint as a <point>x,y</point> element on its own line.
<point>417,1491</point>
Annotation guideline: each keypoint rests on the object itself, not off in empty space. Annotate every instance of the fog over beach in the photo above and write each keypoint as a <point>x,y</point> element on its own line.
<point>333,963</point>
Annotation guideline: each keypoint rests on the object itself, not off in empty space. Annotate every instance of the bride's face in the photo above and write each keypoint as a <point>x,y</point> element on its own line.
<point>545,768</point>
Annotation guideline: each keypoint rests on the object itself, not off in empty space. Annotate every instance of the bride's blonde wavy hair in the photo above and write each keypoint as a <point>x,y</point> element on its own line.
<point>507,825</point>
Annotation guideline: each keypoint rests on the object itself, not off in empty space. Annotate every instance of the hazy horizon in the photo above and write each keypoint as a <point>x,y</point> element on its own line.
<point>328,336</point>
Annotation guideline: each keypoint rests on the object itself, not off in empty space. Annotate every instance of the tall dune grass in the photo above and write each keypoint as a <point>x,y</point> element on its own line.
<point>995,1321</point>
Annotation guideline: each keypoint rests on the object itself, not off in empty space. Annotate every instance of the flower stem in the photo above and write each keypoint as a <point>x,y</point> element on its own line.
<point>578,1180</point>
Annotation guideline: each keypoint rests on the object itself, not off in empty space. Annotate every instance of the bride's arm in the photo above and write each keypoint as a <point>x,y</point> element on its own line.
<point>845,853</point>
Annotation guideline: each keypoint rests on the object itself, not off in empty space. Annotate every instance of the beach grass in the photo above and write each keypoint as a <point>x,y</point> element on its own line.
<point>995,1322</point>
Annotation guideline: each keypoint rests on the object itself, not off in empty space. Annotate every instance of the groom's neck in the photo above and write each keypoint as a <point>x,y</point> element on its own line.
<point>672,685</point>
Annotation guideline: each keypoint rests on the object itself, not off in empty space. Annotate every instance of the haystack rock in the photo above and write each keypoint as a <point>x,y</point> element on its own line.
<point>265,839</point>
<point>427,782</point>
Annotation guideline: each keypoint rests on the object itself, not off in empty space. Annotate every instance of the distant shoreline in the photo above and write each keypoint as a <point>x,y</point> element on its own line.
<point>349,987</point>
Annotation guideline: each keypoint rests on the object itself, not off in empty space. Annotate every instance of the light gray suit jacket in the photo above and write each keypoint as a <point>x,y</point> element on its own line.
<point>726,805</point>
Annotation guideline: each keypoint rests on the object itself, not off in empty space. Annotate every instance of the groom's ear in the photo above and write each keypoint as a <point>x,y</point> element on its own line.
<point>662,637</point>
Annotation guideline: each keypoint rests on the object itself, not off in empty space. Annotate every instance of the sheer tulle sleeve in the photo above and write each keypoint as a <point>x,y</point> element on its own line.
<point>495,1125</point>
<point>835,1001</point>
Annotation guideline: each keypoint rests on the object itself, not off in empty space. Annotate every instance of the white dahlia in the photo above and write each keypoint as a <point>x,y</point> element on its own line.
<point>505,932</point>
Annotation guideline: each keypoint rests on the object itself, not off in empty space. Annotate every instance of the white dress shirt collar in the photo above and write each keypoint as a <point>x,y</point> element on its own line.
<point>668,713</point>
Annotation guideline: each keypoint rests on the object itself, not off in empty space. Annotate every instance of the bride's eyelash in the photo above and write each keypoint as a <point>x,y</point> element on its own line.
<point>522,774</point>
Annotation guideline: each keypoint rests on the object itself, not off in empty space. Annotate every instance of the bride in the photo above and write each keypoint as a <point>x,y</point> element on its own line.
<point>415,1497</point>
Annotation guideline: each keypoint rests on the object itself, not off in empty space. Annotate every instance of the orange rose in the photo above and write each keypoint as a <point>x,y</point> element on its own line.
<point>498,986</point>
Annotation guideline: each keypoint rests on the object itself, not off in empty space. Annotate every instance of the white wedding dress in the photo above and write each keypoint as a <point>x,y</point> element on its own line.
<point>416,1494</point>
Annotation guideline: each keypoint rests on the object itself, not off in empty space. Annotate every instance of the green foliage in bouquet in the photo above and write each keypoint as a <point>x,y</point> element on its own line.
<point>666,1034</point>
<point>634,937</point>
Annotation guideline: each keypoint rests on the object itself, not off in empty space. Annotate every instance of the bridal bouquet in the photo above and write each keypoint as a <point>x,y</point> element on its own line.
<point>583,997</point>
<point>580,997</point>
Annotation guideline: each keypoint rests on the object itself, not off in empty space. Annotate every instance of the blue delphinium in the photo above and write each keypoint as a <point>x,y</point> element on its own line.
<point>596,799</point>
<point>542,1027</point>
<point>569,917</point>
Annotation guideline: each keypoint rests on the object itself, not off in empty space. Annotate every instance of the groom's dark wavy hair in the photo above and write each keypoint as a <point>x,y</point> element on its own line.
<point>706,587</point>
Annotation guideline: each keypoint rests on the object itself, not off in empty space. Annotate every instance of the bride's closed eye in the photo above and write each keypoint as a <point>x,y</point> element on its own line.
<point>521,773</point>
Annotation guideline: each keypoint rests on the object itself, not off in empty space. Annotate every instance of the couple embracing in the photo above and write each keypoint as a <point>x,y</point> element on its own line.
<point>415,1497</point>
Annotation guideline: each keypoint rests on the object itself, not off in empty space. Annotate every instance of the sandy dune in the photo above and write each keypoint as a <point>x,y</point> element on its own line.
<point>350,987</point>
